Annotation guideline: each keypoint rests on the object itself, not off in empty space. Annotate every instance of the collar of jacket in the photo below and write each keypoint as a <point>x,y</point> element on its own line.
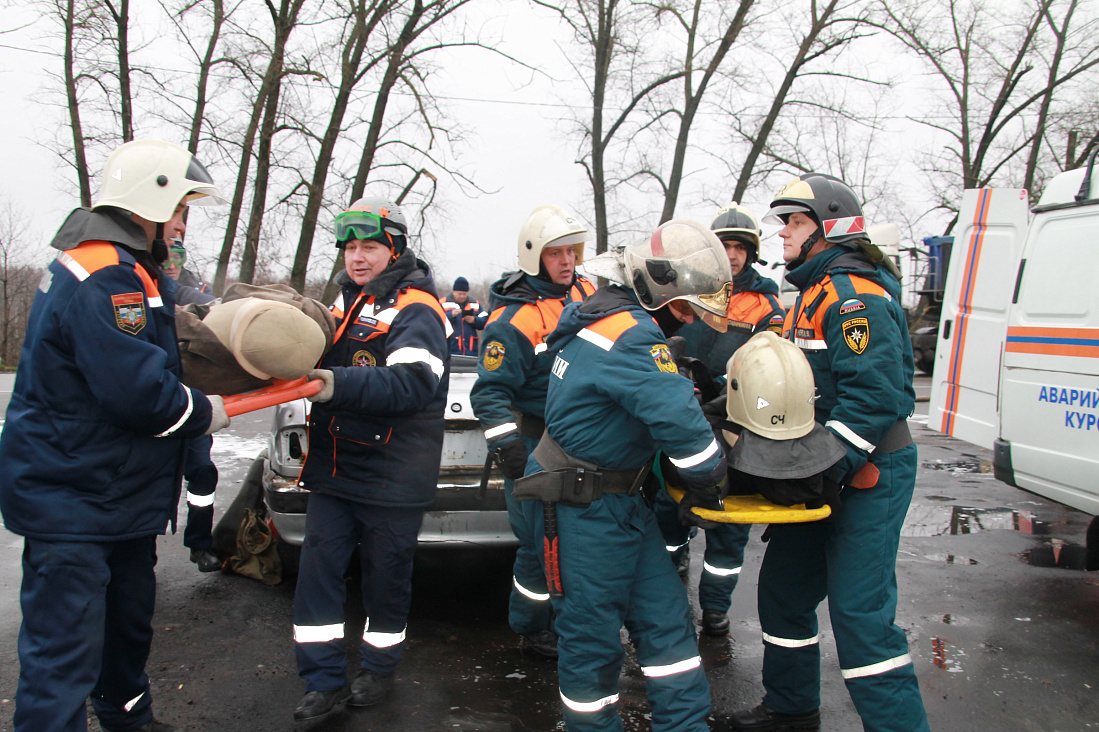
<point>520,287</point>
<point>105,224</point>
<point>749,280</point>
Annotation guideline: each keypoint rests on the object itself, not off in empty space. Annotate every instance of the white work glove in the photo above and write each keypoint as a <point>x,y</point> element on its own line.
<point>329,389</point>
<point>219,420</point>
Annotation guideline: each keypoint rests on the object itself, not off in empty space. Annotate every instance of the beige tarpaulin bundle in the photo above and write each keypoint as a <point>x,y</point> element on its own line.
<point>249,337</point>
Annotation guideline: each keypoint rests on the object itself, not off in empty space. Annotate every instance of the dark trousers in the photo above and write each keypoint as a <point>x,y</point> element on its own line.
<point>386,539</point>
<point>87,627</point>
<point>202,479</point>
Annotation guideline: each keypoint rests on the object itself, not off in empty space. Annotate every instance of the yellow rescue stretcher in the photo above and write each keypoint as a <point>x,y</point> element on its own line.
<point>755,509</point>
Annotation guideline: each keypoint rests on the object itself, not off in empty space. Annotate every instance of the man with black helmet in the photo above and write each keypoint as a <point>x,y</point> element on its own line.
<point>753,308</point>
<point>614,399</point>
<point>375,443</point>
<point>93,445</point>
<point>509,396</point>
<point>849,323</point>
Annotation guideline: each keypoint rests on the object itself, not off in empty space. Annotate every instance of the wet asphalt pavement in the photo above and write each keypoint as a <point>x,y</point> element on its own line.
<point>1002,621</point>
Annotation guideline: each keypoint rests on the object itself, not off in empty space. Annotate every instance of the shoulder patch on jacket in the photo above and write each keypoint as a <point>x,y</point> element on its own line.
<point>663,358</point>
<point>129,311</point>
<point>851,305</point>
<point>777,323</point>
<point>856,334</point>
<point>493,356</point>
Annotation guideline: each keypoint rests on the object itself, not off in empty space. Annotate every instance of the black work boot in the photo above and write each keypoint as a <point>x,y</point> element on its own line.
<point>541,643</point>
<point>715,623</point>
<point>369,689</point>
<point>318,703</point>
<point>206,560</point>
<point>763,719</point>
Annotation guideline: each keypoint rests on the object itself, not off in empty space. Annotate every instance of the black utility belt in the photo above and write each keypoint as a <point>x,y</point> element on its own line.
<point>576,486</point>
<point>572,481</point>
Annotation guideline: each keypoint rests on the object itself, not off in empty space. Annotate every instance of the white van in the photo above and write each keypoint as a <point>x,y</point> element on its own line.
<point>1017,366</point>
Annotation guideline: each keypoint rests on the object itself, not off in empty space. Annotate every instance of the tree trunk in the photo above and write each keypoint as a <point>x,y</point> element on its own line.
<point>80,158</point>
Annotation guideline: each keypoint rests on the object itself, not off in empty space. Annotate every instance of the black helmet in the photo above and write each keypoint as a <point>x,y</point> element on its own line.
<point>828,200</point>
<point>735,222</point>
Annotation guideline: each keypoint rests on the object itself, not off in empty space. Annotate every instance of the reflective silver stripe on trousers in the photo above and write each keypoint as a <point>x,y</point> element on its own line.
<point>594,706</point>
<point>318,633</point>
<point>671,548</point>
<point>672,668</point>
<point>706,566</point>
<point>133,702</point>
<point>791,642</point>
<point>199,501</point>
<point>849,434</point>
<point>877,668</point>
<point>698,458</point>
<point>382,640</point>
<point>537,596</point>
<point>186,413</point>
<point>500,429</point>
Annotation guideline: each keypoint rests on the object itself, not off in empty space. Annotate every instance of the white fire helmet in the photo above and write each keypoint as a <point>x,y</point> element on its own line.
<point>771,388</point>
<point>150,177</point>
<point>549,226</point>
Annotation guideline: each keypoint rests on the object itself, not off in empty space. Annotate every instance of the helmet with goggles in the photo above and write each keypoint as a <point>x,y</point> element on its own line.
<point>373,218</point>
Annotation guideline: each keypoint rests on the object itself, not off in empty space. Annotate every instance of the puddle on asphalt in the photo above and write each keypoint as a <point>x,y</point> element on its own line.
<point>966,464</point>
<point>926,520</point>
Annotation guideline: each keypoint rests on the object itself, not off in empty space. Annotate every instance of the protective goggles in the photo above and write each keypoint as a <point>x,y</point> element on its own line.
<point>359,225</point>
<point>177,257</point>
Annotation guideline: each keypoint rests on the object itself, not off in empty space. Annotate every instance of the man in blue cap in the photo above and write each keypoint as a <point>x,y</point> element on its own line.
<point>466,318</point>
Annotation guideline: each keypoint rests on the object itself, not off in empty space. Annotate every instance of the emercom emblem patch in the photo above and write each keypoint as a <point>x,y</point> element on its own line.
<point>129,311</point>
<point>856,334</point>
<point>663,358</point>
<point>494,355</point>
<point>364,358</point>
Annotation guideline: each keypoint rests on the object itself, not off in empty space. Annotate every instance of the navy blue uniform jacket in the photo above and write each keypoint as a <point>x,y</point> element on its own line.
<point>93,444</point>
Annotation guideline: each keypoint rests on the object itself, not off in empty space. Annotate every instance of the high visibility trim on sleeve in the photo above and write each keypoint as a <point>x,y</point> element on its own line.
<point>193,499</point>
<point>791,642</point>
<point>156,301</point>
<point>73,266</point>
<point>318,633</point>
<point>540,348</point>
<point>593,706</point>
<point>877,668</point>
<point>531,594</point>
<point>500,429</point>
<point>592,337</point>
<point>186,414</point>
<point>849,434</point>
<point>698,458</point>
<point>416,355</point>
<point>718,571</point>
<point>672,668</point>
<point>382,640</point>
<point>814,344</point>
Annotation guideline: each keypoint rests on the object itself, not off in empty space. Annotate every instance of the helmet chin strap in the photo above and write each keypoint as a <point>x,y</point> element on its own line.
<point>805,247</point>
<point>159,247</point>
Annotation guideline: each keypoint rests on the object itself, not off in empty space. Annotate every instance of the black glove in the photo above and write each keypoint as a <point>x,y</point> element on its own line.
<point>714,410</point>
<point>708,492</point>
<point>512,458</point>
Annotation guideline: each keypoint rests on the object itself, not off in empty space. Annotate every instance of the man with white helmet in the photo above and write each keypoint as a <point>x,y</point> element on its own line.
<point>615,398</point>
<point>849,323</point>
<point>753,308</point>
<point>510,394</point>
<point>375,444</point>
<point>93,444</point>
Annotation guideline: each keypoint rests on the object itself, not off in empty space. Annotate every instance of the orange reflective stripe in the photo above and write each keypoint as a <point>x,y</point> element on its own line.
<point>94,255</point>
<point>410,296</point>
<point>581,289</point>
<point>343,325</point>
<point>748,307</point>
<point>614,326</point>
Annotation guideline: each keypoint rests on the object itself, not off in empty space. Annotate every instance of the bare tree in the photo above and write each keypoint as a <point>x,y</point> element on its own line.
<point>618,79</point>
<point>987,61</point>
<point>18,279</point>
